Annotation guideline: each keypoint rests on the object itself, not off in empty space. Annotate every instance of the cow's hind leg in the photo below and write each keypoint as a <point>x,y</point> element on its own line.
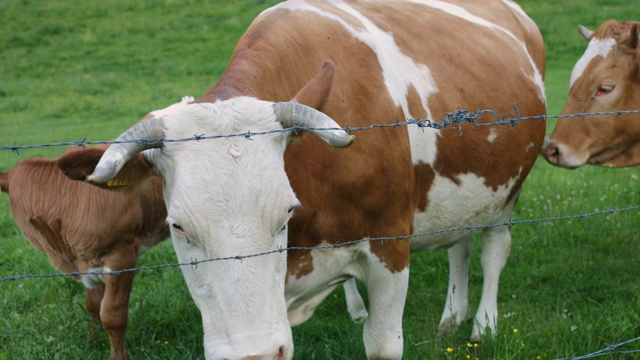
<point>496,244</point>
<point>355,304</point>
<point>114,310</point>
<point>456,309</point>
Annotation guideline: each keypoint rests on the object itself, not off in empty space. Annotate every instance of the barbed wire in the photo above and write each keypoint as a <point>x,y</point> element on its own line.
<point>451,118</point>
<point>194,263</point>
<point>609,350</point>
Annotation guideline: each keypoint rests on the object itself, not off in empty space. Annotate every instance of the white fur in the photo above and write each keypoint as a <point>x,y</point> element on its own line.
<point>91,281</point>
<point>597,47</point>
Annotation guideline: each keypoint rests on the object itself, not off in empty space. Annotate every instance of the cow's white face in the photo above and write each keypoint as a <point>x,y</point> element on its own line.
<point>227,197</point>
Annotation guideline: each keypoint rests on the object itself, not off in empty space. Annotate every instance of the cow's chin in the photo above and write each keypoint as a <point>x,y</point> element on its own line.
<point>618,157</point>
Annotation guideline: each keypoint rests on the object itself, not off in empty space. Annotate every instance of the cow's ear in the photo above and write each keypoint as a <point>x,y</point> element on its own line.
<point>77,165</point>
<point>632,42</point>
<point>585,32</point>
<point>316,93</point>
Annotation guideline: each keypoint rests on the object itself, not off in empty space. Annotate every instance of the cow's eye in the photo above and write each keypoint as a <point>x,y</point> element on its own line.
<point>604,90</point>
<point>178,229</point>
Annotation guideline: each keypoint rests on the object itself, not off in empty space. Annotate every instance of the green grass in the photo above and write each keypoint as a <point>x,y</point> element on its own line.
<point>72,69</point>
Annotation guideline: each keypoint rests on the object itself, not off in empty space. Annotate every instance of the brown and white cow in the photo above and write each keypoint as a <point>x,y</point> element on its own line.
<point>380,61</point>
<point>86,229</point>
<point>605,79</point>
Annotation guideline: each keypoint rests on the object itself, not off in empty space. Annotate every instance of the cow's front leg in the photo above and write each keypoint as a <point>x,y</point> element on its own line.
<point>114,310</point>
<point>94,298</point>
<point>456,308</point>
<point>387,291</point>
<point>496,245</point>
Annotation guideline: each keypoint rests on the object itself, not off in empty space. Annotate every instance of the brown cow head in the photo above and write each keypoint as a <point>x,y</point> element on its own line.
<point>605,79</point>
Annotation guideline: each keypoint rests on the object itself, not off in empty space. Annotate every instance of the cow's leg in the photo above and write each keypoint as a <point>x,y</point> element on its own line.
<point>387,292</point>
<point>496,244</point>
<point>355,304</point>
<point>114,309</point>
<point>456,308</point>
<point>94,298</point>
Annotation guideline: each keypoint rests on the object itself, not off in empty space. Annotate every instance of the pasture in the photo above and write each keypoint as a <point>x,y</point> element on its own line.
<point>72,70</point>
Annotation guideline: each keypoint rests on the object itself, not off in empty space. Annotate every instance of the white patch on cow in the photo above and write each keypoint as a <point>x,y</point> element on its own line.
<point>470,202</point>
<point>597,47</point>
<point>91,281</point>
<point>515,7</point>
<point>493,135</point>
<point>169,109</point>
<point>400,73</point>
<point>462,13</point>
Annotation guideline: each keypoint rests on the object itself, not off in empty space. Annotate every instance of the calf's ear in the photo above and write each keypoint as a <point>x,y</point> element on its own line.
<point>633,37</point>
<point>77,165</point>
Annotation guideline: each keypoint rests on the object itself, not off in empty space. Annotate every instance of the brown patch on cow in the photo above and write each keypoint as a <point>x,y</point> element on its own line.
<point>424,176</point>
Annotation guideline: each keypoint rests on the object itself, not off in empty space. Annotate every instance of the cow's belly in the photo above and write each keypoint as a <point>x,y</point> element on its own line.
<point>458,205</point>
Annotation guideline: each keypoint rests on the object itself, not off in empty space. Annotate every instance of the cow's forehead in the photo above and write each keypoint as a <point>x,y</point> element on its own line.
<point>597,47</point>
<point>224,162</point>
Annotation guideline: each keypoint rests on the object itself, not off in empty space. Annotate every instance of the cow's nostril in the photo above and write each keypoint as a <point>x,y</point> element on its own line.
<point>551,152</point>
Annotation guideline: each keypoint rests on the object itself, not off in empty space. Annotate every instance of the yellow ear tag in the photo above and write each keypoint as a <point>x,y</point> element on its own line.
<point>118,182</point>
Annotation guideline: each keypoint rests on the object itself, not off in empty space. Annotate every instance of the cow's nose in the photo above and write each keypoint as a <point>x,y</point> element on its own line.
<point>551,152</point>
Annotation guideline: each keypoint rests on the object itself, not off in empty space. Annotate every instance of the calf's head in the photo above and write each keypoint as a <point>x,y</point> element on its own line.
<point>225,197</point>
<point>605,79</point>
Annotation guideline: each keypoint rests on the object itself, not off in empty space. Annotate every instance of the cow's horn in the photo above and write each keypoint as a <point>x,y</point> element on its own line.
<point>144,135</point>
<point>294,114</point>
<point>585,32</point>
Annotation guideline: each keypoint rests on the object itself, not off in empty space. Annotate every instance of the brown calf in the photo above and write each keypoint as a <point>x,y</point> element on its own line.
<point>87,229</point>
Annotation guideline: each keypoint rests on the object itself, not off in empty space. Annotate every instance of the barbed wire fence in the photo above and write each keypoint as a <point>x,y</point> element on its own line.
<point>457,118</point>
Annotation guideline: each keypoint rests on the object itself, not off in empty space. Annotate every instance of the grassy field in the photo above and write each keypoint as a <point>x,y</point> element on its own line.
<point>71,70</point>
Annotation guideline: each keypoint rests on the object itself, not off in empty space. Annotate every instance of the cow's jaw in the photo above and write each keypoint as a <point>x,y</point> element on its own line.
<point>228,198</point>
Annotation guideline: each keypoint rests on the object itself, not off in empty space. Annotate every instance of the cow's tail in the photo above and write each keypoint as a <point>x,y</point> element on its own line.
<point>4,181</point>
